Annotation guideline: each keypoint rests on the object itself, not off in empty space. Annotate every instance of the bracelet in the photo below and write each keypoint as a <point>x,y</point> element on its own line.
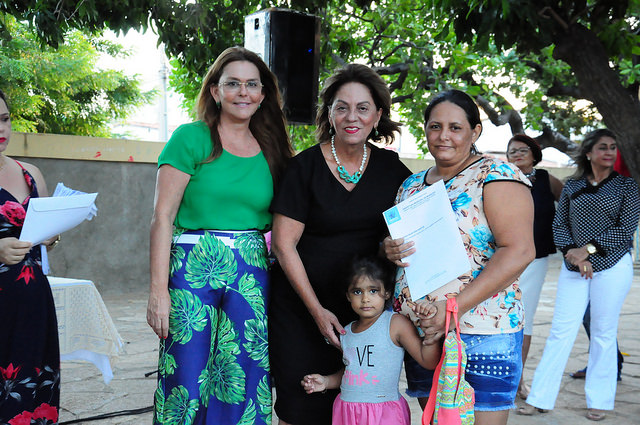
<point>56,242</point>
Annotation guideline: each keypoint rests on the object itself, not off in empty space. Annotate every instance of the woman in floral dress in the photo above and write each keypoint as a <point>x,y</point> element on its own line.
<point>209,279</point>
<point>494,211</point>
<point>29,352</point>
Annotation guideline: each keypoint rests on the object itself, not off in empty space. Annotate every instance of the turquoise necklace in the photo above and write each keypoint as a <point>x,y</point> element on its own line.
<point>342,172</point>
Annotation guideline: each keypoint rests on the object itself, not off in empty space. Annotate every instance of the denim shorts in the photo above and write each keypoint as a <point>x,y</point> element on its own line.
<point>494,366</point>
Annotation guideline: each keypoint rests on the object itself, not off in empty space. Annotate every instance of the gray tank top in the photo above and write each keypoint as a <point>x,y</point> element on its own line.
<point>372,363</point>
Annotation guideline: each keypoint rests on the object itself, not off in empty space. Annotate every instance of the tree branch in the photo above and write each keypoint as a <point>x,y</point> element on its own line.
<point>552,139</point>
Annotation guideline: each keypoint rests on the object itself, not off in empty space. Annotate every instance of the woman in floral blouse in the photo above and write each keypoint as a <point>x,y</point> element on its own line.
<point>494,210</point>
<point>29,353</point>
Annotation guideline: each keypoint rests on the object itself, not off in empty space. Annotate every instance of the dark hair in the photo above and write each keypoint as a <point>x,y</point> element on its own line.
<point>464,101</point>
<point>267,125</point>
<point>3,97</point>
<point>375,268</point>
<point>357,73</point>
<point>580,157</point>
<point>529,141</point>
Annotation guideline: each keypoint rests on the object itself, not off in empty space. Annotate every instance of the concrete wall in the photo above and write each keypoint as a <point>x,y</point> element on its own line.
<point>112,250</point>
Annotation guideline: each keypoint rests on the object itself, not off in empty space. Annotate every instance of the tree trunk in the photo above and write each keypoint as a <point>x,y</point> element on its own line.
<point>620,109</point>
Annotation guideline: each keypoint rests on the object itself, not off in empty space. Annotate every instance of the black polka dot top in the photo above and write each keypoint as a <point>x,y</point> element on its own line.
<point>605,215</point>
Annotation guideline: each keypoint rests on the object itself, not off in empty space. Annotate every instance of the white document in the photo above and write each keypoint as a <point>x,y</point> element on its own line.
<point>50,216</point>
<point>427,219</point>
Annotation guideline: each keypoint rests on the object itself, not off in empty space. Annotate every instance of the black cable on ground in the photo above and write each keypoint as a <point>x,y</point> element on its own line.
<point>110,415</point>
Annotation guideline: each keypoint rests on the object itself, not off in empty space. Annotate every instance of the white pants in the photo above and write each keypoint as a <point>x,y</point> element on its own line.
<point>530,282</point>
<point>606,291</point>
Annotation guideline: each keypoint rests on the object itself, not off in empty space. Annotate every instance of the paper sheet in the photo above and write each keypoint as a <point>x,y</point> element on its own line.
<point>50,216</point>
<point>427,219</point>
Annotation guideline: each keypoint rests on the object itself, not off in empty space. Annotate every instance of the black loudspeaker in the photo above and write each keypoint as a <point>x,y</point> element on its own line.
<point>288,42</point>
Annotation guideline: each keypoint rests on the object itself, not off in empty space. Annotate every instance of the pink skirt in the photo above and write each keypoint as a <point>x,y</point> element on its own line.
<point>385,413</point>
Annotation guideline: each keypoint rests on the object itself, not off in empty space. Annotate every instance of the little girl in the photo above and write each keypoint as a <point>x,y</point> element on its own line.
<point>373,351</point>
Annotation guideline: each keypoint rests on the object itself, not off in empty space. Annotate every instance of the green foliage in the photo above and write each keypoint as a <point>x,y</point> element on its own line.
<point>61,90</point>
<point>485,47</point>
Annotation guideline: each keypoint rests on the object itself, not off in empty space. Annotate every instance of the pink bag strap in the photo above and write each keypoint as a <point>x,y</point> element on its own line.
<point>452,310</point>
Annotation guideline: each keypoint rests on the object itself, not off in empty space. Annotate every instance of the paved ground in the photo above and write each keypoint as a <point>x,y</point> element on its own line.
<point>84,394</point>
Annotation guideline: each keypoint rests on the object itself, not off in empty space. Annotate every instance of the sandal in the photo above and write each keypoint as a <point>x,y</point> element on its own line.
<point>529,410</point>
<point>579,374</point>
<point>523,391</point>
<point>595,415</point>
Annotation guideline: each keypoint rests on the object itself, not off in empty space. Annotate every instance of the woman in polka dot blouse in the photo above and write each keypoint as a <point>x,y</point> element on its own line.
<point>594,224</point>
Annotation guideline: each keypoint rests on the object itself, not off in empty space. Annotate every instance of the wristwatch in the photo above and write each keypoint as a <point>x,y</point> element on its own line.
<point>591,248</point>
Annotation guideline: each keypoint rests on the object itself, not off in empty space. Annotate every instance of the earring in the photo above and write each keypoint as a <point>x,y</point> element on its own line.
<point>219,104</point>
<point>332,131</point>
<point>588,158</point>
<point>375,131</point>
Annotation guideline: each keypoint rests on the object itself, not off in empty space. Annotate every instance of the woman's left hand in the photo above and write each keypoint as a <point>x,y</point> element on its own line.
<point>586,269</point>
<point>576,255</point>
<point>396,249</point>
<point>434,327</point>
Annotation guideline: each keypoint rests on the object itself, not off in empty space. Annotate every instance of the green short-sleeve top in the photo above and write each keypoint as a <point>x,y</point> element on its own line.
<point>228,193</point>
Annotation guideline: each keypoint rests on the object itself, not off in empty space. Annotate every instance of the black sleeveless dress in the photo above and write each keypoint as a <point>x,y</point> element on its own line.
<point>338,225</point>
<point>29,351</point>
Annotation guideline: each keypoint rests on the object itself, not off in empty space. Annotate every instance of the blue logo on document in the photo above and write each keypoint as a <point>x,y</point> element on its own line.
<point>392,215</point>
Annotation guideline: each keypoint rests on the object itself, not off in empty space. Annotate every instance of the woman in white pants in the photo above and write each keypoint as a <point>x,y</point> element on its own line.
<point>525,153</point>
<point>594,224</point>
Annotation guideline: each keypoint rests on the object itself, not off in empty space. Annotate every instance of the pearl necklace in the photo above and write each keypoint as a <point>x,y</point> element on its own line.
<point>342,172</point>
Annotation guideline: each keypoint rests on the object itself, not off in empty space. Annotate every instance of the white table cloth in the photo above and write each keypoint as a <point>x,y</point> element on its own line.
<point>85,329</point>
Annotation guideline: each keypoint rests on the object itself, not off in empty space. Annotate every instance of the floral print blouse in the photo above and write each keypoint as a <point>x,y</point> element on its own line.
<point>503,312</point>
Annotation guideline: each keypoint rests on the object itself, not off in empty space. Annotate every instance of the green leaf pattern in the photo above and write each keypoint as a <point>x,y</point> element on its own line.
<point>249,287</point>
<point>249,415</point>
<point>211,262</point>
<point>180,410</point>
<point>223,376</point>
<point>158,413</point>
<point>257,346</point>
<point>188,314</point>
<point>252,248</point>
<point>175,258</point>
<point>264,399</point>
<point>166,364</point>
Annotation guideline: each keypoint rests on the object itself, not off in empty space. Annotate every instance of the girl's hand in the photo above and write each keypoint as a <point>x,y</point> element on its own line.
<point>314,383</point>
<point>586,269</point>
<point>576,255</point>
<point>434,327</point>
<point>158,312</point>
<point>12,251</point>
<point>328,325</point>
<point>395,250</point>
<point>424,309</point>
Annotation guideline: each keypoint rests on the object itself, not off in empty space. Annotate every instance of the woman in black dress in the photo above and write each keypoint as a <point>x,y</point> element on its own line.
<point>29,353</point>
<point>327,209</point>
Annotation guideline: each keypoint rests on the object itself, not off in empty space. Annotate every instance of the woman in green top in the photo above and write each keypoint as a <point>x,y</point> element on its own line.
<point>209,281</point>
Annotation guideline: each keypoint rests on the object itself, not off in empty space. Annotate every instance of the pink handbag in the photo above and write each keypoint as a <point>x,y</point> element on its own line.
<point>454,400</point>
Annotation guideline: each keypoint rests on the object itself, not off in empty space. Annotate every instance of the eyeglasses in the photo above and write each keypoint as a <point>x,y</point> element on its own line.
<point>522,151</point>
<point>234,86</point>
